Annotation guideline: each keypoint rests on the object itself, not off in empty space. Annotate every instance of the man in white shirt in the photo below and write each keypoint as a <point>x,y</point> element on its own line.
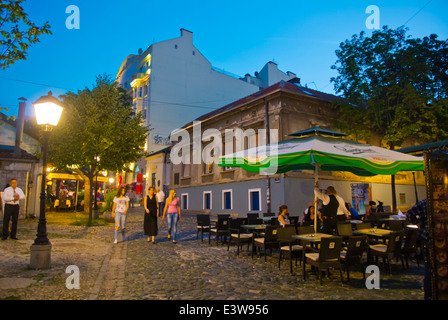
<point>160,196</point>
<point>11,197</point>
<point>330,206</point>
<point>343,213</point>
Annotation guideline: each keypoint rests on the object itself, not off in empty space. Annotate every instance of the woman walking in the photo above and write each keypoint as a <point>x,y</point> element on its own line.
<point>150,220</point>
<point>172,210</point>
<point>119,210</point>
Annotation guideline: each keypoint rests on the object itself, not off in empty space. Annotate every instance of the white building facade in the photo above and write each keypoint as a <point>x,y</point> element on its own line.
<point>172,83</point>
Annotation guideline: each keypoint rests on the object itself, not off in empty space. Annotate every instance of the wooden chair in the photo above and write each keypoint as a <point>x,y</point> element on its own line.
<point>328,256</point>
<point>388,251</point>
<point>221,229</point>
<point>288,245</point>
<point>364,225</point>
<point>269,241</point>
<point>396,225</point>
<point>236,234</point>
<point>203,225</point>
<point>409,248</point>
<point>353,255</point>
<point>252,215</point>
<point>344,230</point>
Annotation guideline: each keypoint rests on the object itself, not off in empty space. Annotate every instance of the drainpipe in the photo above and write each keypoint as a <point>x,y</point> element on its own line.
<point>268,141</point>
<point>19,126</point>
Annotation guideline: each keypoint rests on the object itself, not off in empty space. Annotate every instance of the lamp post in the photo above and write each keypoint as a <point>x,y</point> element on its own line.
<point>48,112</point>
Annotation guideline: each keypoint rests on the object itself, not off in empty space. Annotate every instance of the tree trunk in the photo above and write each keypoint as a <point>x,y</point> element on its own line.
<point>91,190</point>
<point>87,190</point>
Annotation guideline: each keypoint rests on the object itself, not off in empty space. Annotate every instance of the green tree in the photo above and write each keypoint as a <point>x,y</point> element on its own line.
<point>393,85</point>
<point>98,131</point>
<point>17,32</point>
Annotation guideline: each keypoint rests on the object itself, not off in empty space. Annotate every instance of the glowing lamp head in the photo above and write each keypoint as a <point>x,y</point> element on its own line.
<point>47,110</point>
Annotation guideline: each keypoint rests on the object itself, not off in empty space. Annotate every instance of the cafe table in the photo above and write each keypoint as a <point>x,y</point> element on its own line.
<point>374,232</point>
<point>312,237</point>
<point>392,219</point>
<point>256,228</point>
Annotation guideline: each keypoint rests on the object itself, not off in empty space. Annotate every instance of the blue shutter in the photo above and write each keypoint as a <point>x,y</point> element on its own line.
<point>255,200</point>
<point>227,200</point>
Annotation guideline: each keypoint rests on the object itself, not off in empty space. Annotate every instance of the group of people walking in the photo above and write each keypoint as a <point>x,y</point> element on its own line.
<point>155,207</point>
<point>333,208</point>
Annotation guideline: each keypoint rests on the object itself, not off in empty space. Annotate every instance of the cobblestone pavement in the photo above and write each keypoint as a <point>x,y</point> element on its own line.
<point>189,270</point>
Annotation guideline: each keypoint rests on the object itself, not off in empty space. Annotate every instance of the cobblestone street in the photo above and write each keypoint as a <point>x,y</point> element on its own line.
<point>189,270</point>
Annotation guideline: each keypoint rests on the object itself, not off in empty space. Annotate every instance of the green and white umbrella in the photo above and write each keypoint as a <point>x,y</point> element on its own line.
<point>329,153</point>
<point>325,151</point>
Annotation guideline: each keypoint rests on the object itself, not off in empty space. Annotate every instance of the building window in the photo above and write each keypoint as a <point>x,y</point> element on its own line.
<point>184,201</point>
<point>227,199</point>
<point>153,179</point>
<point>176,178</point>
<point>402,198</point>
<point>207,200</point>
<point>254,199</point>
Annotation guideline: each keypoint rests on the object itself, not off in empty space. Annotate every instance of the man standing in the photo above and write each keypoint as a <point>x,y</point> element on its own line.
<point>160,195</point>
<point>343,213</point>
<point>11,197</point>
<point>329,208</point>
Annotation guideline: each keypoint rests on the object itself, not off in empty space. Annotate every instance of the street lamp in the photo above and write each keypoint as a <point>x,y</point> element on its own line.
<point>48,111</point>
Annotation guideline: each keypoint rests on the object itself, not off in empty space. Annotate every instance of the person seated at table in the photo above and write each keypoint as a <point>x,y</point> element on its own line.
<point>380,207</point>
<point>354,214</point>
<point>371,209</point>
<point>283,215</point>
<point>309,214</point>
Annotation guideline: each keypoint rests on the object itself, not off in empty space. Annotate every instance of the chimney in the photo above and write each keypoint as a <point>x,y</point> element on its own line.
<point>19,126</point>
<point>187,34</point>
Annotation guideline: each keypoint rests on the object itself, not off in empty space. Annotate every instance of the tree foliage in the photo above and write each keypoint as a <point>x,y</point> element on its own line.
<point>98,131</point>
<point>393,85</point>
<point>17,32</point>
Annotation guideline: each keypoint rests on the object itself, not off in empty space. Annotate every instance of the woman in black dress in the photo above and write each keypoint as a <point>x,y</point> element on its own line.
<point>150,220</point>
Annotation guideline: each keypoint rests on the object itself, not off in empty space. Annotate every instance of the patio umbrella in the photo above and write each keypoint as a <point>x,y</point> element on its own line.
<point>322,149</point>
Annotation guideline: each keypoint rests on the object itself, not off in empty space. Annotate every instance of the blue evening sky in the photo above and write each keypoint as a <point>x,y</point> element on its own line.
<point>237,36</point>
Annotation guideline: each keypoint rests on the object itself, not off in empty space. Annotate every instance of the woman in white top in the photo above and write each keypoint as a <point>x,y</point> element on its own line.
<point>119,210</point>
<point>283,216</point>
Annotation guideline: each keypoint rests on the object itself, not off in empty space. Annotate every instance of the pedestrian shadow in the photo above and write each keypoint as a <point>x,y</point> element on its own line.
<point>134,236</point>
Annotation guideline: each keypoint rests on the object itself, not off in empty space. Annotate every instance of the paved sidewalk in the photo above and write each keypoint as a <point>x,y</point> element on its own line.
<point>189,270</point>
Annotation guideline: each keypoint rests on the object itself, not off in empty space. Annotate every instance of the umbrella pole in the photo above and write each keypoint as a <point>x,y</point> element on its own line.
<point>316,214</point>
